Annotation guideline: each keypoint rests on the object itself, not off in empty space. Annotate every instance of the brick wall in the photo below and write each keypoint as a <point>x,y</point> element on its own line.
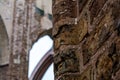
<point>86,39</point>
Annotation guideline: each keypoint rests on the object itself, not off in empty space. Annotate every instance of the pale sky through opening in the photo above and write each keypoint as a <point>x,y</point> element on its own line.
<point>39,49</point>
<point>49,74</point>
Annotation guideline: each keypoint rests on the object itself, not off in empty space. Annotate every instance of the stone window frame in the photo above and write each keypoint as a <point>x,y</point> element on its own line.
<point>42,66</point>
<point>46,60</point>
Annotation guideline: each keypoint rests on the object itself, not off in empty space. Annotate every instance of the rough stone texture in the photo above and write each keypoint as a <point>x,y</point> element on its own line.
<point>19,52</point>
<point>91,47</point>
<point>25,31</point>
<point>86,39</point>
<point>4,72</point>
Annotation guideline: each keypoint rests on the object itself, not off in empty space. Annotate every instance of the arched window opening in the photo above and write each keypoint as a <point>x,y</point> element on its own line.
<point>48,74</point>
<point>40,58</point>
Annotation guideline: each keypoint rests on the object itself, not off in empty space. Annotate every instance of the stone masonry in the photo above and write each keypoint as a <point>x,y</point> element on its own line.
<point>86,39</point>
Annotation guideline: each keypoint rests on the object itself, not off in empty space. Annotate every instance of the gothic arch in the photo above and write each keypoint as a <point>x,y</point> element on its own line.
<point>4,56</point>
<point>40,30</point>
<point>42,66</point>
<point>44,63</point>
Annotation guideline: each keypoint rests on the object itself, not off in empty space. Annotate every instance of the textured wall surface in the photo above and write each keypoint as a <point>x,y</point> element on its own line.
<point>4,51</point>
<point>4,72</point>
<point>86,39</point>
<point>24,26</point>
<point>6,12</point>
<point>19,51</point>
